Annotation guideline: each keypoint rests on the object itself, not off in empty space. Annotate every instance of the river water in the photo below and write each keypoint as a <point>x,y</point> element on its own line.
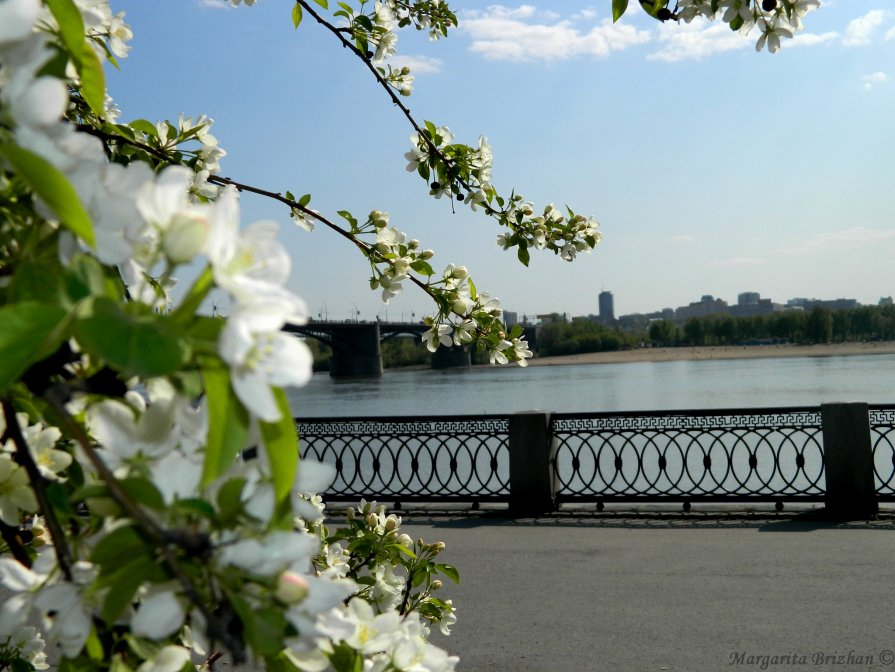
<point>734,383</point>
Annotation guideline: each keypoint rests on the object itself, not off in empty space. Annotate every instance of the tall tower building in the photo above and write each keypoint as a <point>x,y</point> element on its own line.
<point>607,307</point>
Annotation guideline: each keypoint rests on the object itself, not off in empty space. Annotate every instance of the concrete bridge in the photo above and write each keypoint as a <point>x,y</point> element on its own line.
<point>356,345</point>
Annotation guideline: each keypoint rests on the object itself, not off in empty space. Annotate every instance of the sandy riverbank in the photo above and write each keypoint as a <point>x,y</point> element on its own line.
<point>720,352</point>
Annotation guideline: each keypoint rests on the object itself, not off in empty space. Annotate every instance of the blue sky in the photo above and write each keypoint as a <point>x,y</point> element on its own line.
<point>712,169</point>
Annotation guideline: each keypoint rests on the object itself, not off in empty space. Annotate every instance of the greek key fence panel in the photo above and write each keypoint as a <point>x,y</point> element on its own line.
<point>882,437</point>
<point>413,459</point>
<point>761,454</point>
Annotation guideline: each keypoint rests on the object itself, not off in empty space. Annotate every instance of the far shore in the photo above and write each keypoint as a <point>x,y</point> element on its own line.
<point>719,352</point>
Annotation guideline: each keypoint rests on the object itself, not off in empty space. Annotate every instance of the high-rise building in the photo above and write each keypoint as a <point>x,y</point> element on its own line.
<point>607,307</point>
<point>748,298</point>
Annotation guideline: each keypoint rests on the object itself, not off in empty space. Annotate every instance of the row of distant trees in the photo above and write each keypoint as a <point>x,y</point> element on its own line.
<point>819,325</point>
<point>569,338</point>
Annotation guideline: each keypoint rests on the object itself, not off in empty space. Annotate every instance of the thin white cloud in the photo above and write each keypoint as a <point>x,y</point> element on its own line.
<point>696,40</point>
<point>856,238</point>
<point>682,238</point>
<point>860,31</point>
<point>874,78</point>
<point>214,4</point>
<point>890,34</point>
<point>527,34</point>
<point>810,39</point>
<point>738,262</point>
<point>419,65</point>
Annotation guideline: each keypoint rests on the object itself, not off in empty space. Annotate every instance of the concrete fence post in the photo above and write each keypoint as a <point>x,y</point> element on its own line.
<point>848,460</point>
<point>532,488</point>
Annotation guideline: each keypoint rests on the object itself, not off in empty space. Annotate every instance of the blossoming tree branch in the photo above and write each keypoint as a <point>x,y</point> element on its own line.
<point>154,513</point>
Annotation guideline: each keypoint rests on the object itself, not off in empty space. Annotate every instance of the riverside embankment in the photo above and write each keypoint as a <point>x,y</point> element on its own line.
<point>720,353</point>
<point>638,592</point>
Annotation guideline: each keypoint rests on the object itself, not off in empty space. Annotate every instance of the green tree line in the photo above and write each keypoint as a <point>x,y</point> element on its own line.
<point>818,325</point>
<point>570,338</point>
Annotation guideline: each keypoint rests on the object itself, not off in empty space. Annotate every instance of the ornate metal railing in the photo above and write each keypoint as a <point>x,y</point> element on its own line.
<point>768,454</point>
<point>758,454</point>
<point>457,458</point>
<point>882,436</point>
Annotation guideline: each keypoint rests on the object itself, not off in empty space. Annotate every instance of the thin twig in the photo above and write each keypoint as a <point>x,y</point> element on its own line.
<point>38,485</point>
<point>157,534</point>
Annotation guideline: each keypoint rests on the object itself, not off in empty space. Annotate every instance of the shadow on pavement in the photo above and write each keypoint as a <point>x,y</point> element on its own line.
<point>806,521</point>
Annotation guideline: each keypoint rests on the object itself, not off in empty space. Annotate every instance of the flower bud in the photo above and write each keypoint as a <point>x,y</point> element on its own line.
<point>460,272</point>
<point>185,237</point>
<point>291,588</point>
<point>437,584</point>
<point>426,254</point>
<point>391,523</point>
<point>405,540</point>
<point>371,520</point>
<point>439,546</point>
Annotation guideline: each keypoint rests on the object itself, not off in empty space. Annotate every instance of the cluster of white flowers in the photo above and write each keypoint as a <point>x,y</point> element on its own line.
<point>26,644</point>
<point>16,495</point>
<point>773,18</point>
<point>146,224</point>
<point>551,229</point>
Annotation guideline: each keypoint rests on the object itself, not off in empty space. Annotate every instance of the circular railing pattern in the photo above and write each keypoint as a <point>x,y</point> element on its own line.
<point>705,454</point>
<point>882,437</point>
<point>444,458</point>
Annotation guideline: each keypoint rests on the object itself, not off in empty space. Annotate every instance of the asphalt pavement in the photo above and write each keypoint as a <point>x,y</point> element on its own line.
<point>642,592</point>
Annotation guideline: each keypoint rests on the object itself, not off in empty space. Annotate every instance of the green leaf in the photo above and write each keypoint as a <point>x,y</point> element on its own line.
<point>736,23</point>
<point>119,546</point>
<point>618,9</point>
<point>450,572</point>
<point>93,81</point>
<point>71,25</point>
<point>144,126</point>
<point>364,22</point>
<point>195,505</point>
<point>472,289</point>
<point>230,497</point>
<point>281,443</point>
<point>53,188</point>
<point>140,345</point>
<point>144,492</point>
<point>196,295</point>
<point>30,332</point>
<point>124,583</point>
<point>94,647</point>
<point>228,421</point>
<point>83,277</point>
<point>118,664</point>
<point>264,628</point>
<point>422,267</point>
<point>296,15</point>
<point>322,3</point>
<point>345,659</point>
<point>406,551</point>
<point>523,254</point>
<point>36,280</point>
<point>87,63</point>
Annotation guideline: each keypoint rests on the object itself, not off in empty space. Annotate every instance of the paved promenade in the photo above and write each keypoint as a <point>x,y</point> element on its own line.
<point>696,593</point>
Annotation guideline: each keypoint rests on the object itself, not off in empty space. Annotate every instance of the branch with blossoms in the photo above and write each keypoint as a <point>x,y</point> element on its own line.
<point>459,172</point>
<point>774,19</point>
